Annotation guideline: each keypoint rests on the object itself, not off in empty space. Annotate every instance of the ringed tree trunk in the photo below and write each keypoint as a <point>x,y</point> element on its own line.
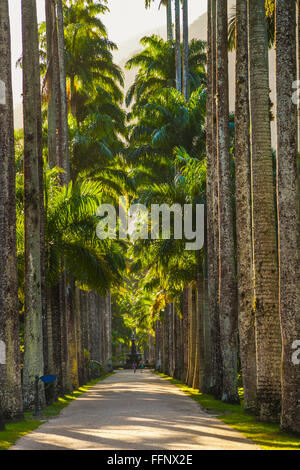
<point>178,47</point>
<point>10,375</point>
<point>33,328</point>
<point>243,212</point>
<point>203,347</point>
<point>198,356</point>
<point>71,339</point>
<point>171,340</point>
<point>42,207</point>
<point>191,327</point>
<point>63,92</point>
<point>108,331</point>
<point>227,292</point>
<point>186,78</point>
<point>178,346</point>
<point>79,347</point>
<point>166,341</point>
<point>84,334</point>
<point>55,325</point>
<point>95,331</point>
<point>51,390</point>
<point>185,325</point>
<point>288,213</point>
<point>65,332</point>
<point>169,20</point>
<point>214,385</point>
<point>158,345</point>
<point>298,70</point>
<point>51,90</point>
<point>268,335</point>
<point>210,248</point>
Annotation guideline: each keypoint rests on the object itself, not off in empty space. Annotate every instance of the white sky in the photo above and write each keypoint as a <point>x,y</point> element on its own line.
<point>127,19</point>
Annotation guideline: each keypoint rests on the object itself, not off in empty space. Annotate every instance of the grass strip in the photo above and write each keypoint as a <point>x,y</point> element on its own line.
<point>16,430</point>
<point>267,436</point>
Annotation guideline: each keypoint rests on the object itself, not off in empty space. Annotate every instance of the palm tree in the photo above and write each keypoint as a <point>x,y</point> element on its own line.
<point>227,288</point>
<point>157,69</point>
<point>65,164</point>
<point>268,337</point>
<point>93,264</point>
<point>243,211</point>
<point>33,337</point>
<point>51,75</point>
<point>210,202</point>
<point>164,123</point>
<point>214,379</point>
<point>288,210</point>
<point>10,376</point>
<point>89,61</point>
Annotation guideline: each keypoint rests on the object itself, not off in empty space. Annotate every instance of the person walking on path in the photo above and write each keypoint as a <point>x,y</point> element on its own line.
<point>134,366</point>
<point>141,367</point>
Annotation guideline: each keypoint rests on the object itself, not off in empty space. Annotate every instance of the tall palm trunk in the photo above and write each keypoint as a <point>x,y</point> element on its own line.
<point>95,326</point>
<point>186,75</point>
<point>42,206</point>
<point>51,391</point>
<point>79,347</point>
<point>178,47</point>
<point>71,339</point>
<point>203,330</point>
<point>210,248</point>
<point>214,385</point>
<point>198,362</point>
<point>268,339</point>
<point>169,21</point>
<point>298,70</point>
<point>63,92</point>
<point>178,345</point>
<point>190,342</point>
<point>51,90</point>
<point>166,341</point>
<point>158,345</point>
<point>85,334</point>
<point>65,333</point>
<point>55,323</point>
<point>33,335</point>
<point>288,211</point>
<point>185,324</point>
<point>171,339</point>
<point>57,43</point>
<point>10,376</point>
<point>243,211</point>
<point>228,307</point>
<point>108,331</point>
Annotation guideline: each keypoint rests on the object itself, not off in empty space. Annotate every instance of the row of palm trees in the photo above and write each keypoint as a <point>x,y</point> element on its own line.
<point>237,300</point>
<point>55,309</point>
<point>252,236</point>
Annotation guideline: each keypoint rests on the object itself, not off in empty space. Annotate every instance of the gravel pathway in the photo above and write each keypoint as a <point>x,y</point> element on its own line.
<point>130,411</point>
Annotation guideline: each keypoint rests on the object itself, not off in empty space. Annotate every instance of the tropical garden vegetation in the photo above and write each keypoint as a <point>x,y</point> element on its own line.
<point>224,319</point>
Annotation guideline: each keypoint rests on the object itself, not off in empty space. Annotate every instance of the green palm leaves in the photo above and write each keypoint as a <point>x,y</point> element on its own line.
<point>166,122</point>
<point>70,234</point>
<point>156,69</point>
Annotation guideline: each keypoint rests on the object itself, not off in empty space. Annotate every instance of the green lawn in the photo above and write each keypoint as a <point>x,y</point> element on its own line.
<point>14,431</point>
<point>267,436</point>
